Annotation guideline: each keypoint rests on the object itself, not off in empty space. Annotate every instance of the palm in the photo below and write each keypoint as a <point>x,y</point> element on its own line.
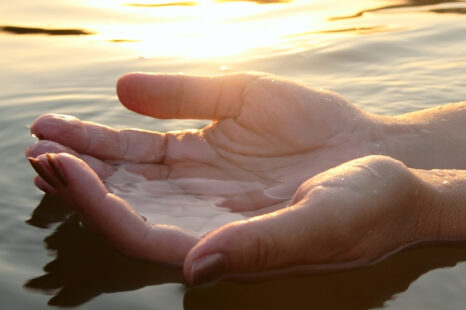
<point>283,134</point>
<point>268,137</point>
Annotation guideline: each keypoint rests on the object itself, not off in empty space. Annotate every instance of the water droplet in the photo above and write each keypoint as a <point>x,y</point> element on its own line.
<point>438,173</point>
<point>371,170</point>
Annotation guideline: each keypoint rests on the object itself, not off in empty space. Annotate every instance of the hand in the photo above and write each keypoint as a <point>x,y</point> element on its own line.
<point>355,214</point>
<point>266,131</point>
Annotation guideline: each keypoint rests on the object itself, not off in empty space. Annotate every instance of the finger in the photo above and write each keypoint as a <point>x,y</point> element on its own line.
<point>102,169</point>
<point>99,140</point>
<point>111,216</point>
<point>182,96</point>
<point>44,186</point>
<point>295,236</point>
<point>243,247</point>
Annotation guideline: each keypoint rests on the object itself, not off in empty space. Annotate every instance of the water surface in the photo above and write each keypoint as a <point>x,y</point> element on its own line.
<point>387,57</point>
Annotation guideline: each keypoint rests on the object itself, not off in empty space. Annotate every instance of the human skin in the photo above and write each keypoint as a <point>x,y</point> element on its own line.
<point>284,136</point>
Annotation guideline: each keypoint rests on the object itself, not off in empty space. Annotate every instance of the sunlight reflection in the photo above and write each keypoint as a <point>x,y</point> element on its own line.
<point>205,29</point>
<point>236,29</point>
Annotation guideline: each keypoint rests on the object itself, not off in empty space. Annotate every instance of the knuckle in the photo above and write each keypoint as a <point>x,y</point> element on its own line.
<point>250,247</point>
<point>264,250</point>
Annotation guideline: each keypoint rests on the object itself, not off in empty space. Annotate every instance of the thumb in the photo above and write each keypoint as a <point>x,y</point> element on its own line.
<point>259,244</point>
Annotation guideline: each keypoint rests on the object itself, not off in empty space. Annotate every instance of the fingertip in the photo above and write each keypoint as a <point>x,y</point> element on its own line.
<point>81,185</point>
<point>206,269</point>
<point>71,164</point>
<point>40,120</point>
<point>50,125</point>
<point>27,152</point>
<point>125,88</point>
<point>129,77</point>
<point>207,261</point>
<point>35,150</point>
<point>47,146</point>
<point>35,128</point>
<point>44,186</point>
<point>41,165</point>
<point>39,181</point>
<point>77,172</point>
<point>32,160</point>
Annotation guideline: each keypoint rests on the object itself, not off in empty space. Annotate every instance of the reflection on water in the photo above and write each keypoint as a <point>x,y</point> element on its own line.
<point>84,265</point>
<point>452,10</point>
<point>195,3</point>
<point>155,5</point>
<point>258,1</point>
<point>52,32</point>
<point>359,289</point>
<point>409,4</point>
<point>122,41</point>
<point>399,58</point>
<point>222,28</point>
<point>357,30</point>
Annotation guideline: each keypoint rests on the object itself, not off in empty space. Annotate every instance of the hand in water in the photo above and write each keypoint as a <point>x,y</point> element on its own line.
<point>268,132</point>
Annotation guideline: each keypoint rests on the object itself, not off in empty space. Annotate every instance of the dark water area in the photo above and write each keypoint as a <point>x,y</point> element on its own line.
<point>388,57</point>
<point>52,32</point>
<point>406,4</point>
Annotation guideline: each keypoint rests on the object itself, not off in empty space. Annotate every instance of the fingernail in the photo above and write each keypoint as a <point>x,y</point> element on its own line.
<point>35,164</point>
<point>57,169</point>
<point>208,268</point>
<point>43,170</point>
<point>32,160</point>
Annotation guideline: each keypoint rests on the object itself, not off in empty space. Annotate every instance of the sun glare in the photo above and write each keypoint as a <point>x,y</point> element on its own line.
<point>200,29</point>
<point>193,29</point>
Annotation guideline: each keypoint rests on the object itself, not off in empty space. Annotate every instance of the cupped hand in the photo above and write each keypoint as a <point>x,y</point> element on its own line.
<point>268,132</point>
<point>349,216</point>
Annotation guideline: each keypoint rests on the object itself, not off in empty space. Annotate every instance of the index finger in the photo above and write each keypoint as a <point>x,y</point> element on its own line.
<point>184,96</point>
<point>101,141</point>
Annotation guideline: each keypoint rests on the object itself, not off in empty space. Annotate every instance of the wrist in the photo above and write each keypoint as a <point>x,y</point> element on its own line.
<point>442,204</point>
<point>397,138</point>
<point>427,139</point>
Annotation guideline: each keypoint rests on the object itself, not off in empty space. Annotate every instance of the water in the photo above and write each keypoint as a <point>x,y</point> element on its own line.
<point>183,202</point>
<point>387,57</point>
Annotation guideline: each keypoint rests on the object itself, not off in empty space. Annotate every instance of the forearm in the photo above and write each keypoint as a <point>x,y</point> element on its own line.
<point>427,139</point>
<point>442,205</point>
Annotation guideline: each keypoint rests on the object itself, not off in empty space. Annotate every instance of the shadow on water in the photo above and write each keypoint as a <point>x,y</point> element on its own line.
<point>84,265</point>
<point>46,31</point>
<point>409,4</point>
<point>357,289</point>
<point>451,11</point>
<point>356,30</point>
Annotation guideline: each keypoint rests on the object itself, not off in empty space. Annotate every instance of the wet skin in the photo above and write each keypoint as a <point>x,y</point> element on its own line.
<point>273,132</point>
